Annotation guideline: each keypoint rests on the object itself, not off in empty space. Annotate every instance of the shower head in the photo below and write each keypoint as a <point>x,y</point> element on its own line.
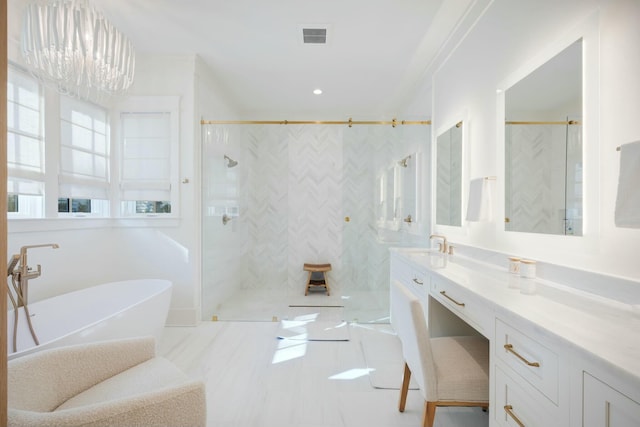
<point>230,162</point>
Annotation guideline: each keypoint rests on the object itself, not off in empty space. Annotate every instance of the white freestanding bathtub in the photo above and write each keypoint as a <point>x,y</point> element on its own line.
<point>110,311</point>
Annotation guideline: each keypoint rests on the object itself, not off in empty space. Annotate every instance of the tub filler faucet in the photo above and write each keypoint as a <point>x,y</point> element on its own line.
<point>20,274</point>
<point>23,273</point>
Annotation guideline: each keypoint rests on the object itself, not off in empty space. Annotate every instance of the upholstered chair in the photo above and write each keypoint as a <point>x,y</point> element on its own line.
<point>450,371</point>
<point>111,383</point>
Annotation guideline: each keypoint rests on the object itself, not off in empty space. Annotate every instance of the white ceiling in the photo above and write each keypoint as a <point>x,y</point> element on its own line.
<point>378,51</point>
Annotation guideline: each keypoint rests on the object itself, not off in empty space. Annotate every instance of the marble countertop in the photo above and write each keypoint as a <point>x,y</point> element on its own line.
<point>607,329</point>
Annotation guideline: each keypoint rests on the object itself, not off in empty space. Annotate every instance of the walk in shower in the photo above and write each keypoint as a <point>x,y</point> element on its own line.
<point>277,196</point>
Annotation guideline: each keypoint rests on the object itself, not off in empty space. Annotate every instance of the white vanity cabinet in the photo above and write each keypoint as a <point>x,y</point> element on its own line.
<point>531,385</point>
<point>464,304</point>
<point>413,276</point>
<point>556,360</point>
<point>604,406</point>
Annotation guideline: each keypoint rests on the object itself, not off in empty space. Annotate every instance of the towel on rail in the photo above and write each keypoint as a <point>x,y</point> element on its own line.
<point>480,199</point>
<point>627,212</point>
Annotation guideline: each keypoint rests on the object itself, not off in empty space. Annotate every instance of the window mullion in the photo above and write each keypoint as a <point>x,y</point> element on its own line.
<point>51,150</point>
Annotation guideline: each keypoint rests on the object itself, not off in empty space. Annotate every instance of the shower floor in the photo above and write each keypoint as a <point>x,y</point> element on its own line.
<point>275,305</point>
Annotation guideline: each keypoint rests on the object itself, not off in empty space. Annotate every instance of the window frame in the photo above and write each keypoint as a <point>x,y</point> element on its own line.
<point>98,185</point>
<point>14,74</point>
<point>50,123</point>
<point>148,105</point>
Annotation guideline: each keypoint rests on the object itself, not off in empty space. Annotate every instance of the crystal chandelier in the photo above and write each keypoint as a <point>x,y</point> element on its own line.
<point>68,44</point>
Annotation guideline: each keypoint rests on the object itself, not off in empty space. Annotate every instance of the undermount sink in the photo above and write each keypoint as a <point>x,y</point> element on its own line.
<point>430,257</point>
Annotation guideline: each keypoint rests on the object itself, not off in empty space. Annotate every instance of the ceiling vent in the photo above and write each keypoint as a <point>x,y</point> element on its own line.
<point>314,35</point>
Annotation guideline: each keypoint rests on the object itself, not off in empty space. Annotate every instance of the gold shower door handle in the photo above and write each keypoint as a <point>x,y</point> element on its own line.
<point>509,348</point>
<point>347,219</point>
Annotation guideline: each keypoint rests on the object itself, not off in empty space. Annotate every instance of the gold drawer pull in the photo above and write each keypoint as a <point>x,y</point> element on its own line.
<point>509,348</point>
<point>444,294</point>
<point>419,282</point>
<point>508,410</point>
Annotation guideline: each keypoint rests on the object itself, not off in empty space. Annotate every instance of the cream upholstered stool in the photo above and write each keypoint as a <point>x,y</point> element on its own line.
<point>450,371</point>
<point>317,276</point>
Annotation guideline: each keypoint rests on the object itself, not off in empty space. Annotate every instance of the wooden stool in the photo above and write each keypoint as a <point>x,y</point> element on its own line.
<point>319,281</point>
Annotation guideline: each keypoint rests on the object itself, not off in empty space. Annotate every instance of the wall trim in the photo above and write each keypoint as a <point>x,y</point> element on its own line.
<point>182,317</point>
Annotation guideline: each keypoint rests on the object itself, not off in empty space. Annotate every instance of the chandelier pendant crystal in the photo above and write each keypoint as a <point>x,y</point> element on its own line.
<point>70,45</point>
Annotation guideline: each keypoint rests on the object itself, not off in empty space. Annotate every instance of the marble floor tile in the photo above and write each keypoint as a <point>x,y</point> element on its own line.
<point>254,379</point>
<point>265,305</point>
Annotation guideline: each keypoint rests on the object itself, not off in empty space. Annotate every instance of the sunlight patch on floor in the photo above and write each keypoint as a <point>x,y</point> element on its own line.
<point>351,374</point>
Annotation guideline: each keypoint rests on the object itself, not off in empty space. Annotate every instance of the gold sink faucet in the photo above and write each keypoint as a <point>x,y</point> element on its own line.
<point>442,246</point>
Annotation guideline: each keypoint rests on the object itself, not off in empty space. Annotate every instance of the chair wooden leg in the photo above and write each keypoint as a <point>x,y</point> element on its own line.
<point>429,414</point>
<point>404,390</point>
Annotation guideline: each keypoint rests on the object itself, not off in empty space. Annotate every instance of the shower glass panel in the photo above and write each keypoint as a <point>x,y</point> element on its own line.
<point>276,197</point>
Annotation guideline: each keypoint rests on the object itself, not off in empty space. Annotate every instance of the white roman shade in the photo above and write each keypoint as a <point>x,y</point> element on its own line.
<point>25,141</point>
<point>146,156</point>
<point>84,150</point>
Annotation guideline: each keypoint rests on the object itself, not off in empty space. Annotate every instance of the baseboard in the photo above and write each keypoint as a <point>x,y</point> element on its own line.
<point>182,317</point>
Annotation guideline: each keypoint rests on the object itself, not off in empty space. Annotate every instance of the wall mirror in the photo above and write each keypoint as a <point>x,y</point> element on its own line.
<point>449,176</point>
<point>543,148</point>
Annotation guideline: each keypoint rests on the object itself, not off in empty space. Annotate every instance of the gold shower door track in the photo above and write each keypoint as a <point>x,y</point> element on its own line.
<point>349,122</point>
<point>570,122</point>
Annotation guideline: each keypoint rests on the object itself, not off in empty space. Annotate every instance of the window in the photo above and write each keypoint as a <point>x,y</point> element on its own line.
<point>25,146</point>
<point>63,164</point>
<point>84,158</point>
<point>148,156</point>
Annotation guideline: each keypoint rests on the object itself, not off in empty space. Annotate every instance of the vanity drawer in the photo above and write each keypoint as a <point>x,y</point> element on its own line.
<point>464,304</point>
<point>416,279</point>
<point>529,358</point>
<point>518,404</point>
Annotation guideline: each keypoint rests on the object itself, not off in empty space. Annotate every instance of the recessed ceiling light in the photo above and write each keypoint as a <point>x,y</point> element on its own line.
<point>317,91</point>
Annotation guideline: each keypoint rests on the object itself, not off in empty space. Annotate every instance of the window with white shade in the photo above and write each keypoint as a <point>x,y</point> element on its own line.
<point>25,146</point>
<point>65,162</point>
<point>84,158</point>
<point>148,157</point>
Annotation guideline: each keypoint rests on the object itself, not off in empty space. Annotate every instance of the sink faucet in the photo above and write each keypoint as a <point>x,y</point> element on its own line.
<point>443,246</point>
<point>23,273</point>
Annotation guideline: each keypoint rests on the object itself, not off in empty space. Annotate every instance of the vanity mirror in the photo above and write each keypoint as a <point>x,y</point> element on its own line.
<point>543,148</point>
<point>449,176</point>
